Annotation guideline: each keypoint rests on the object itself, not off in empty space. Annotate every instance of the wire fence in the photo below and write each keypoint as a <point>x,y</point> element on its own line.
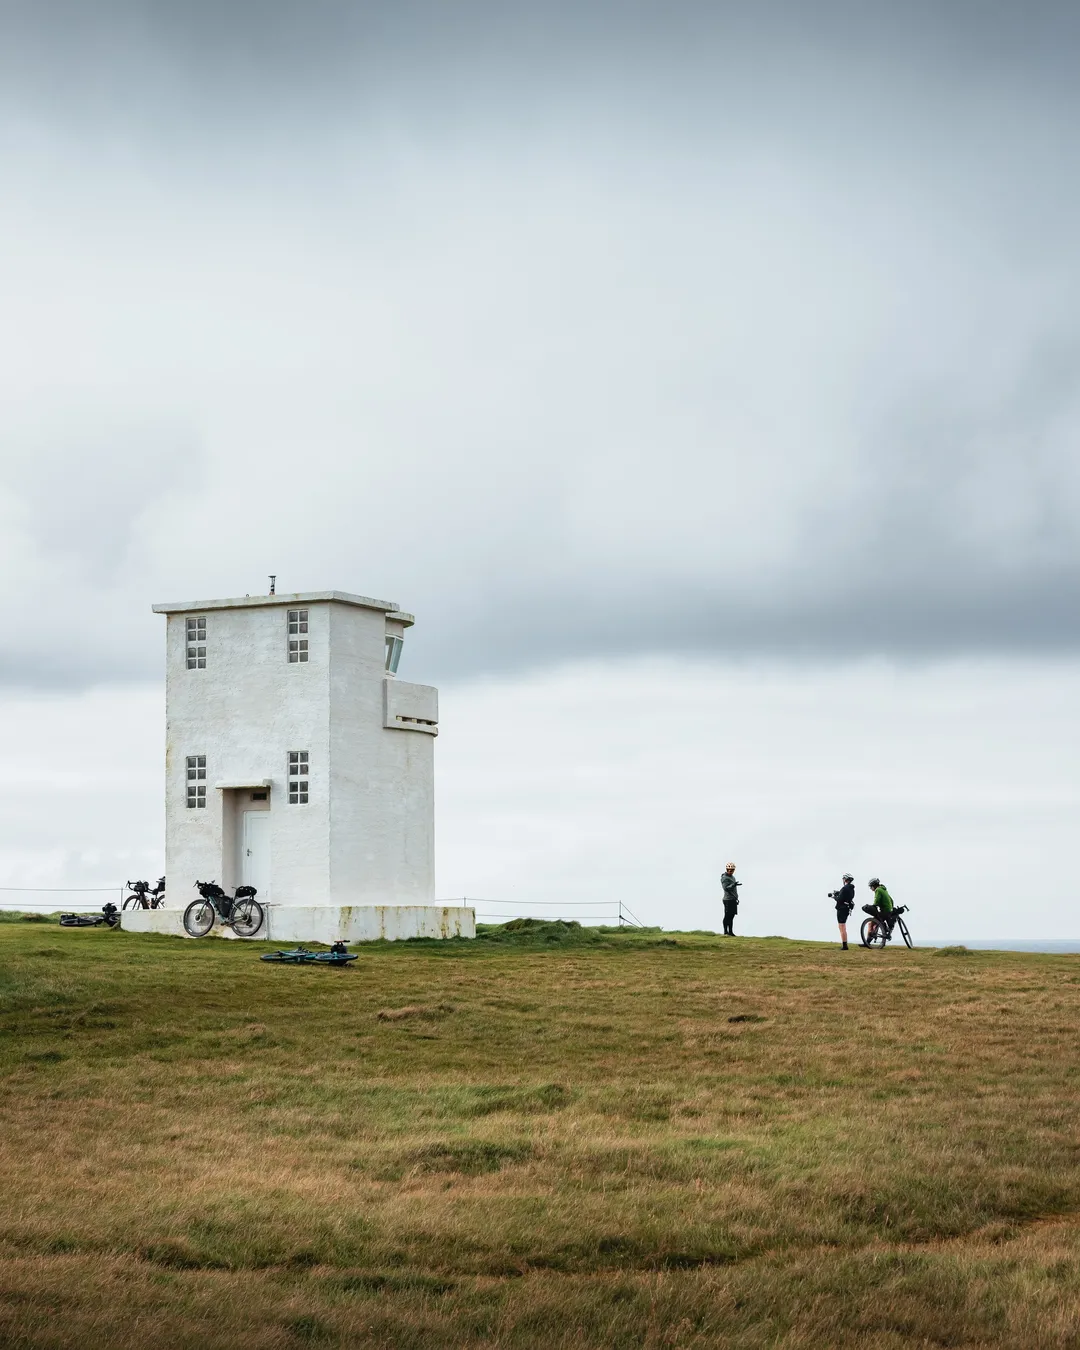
<point>36,904</point>
<point>611,914</point>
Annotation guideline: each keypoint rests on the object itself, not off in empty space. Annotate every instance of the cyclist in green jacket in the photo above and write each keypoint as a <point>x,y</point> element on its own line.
<point>882,908</point>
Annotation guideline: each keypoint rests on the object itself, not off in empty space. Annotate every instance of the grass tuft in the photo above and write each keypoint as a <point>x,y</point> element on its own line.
<point>471,1157</point>
<point>431,1014</point>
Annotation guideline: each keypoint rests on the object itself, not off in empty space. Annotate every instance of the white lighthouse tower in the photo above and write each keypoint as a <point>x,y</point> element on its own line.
<point>297,762</point>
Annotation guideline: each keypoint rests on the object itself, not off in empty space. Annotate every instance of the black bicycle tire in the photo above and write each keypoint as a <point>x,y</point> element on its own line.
<point>256,910</point>
<point>880,937</point>
<point>189,922</point>
<point>133,902</point>
<point>904,932</point>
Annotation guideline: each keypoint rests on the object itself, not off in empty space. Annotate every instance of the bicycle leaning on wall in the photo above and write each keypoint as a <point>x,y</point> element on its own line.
<point>142,897</point>
<point>240,912</point>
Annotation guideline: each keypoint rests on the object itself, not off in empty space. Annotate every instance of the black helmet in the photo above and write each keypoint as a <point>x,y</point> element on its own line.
<point>875,882</point>
<point>848,877</point>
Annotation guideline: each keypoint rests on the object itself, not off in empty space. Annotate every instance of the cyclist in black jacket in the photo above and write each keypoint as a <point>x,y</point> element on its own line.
<point>845,903</point>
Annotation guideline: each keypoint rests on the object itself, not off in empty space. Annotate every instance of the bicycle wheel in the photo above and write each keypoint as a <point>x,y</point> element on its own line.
<point>247,917</point>
<point>904,932</point>
<point>199,918</point>
<point>134,902</point>
<point>873,933</point>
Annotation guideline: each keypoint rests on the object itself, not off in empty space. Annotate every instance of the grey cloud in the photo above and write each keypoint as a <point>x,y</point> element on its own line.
<point>89,488</point>
<point>590,330</point>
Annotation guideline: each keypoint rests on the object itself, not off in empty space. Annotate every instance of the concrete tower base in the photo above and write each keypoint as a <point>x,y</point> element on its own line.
<point>325,923</point>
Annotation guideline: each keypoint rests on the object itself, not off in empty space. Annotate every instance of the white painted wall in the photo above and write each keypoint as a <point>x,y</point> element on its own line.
<point>366,835</point>
<point>382,785</point>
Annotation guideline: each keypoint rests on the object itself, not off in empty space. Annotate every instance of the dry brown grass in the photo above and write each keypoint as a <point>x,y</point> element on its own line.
<point>590,1143</point>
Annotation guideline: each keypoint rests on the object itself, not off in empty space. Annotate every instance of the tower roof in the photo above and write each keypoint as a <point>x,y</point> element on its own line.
<point>297,598</point>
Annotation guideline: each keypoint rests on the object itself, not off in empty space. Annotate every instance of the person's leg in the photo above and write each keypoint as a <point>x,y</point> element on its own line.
<point>843,934</point>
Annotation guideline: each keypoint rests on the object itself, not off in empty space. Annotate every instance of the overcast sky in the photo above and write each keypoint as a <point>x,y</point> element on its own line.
<point>591,333</point>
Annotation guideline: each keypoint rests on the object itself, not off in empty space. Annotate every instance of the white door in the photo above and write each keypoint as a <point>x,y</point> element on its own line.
<point>255,852</point>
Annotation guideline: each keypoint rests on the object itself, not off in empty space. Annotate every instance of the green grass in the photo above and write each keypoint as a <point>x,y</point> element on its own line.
<point>550,1137</point>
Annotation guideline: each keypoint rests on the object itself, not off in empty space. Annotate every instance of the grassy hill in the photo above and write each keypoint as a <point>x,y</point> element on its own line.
<point>546,1138</point>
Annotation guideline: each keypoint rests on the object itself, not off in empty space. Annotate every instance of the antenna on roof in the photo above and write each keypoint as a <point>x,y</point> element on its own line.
<point>273,584</point>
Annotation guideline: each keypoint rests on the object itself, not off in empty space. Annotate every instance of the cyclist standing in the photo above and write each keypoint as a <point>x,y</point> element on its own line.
<point>845,903</point>
<point>731,899</point>
<point>882,908</point>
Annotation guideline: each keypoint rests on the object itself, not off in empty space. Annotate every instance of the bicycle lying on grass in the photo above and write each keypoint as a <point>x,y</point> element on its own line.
<point>240,912</point>
<point>300,956</point>
<point>877,932</point>
<point>110,916</point>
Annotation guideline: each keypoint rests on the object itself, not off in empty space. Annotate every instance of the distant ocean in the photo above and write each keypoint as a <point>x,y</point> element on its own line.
<point>1053,945</point>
